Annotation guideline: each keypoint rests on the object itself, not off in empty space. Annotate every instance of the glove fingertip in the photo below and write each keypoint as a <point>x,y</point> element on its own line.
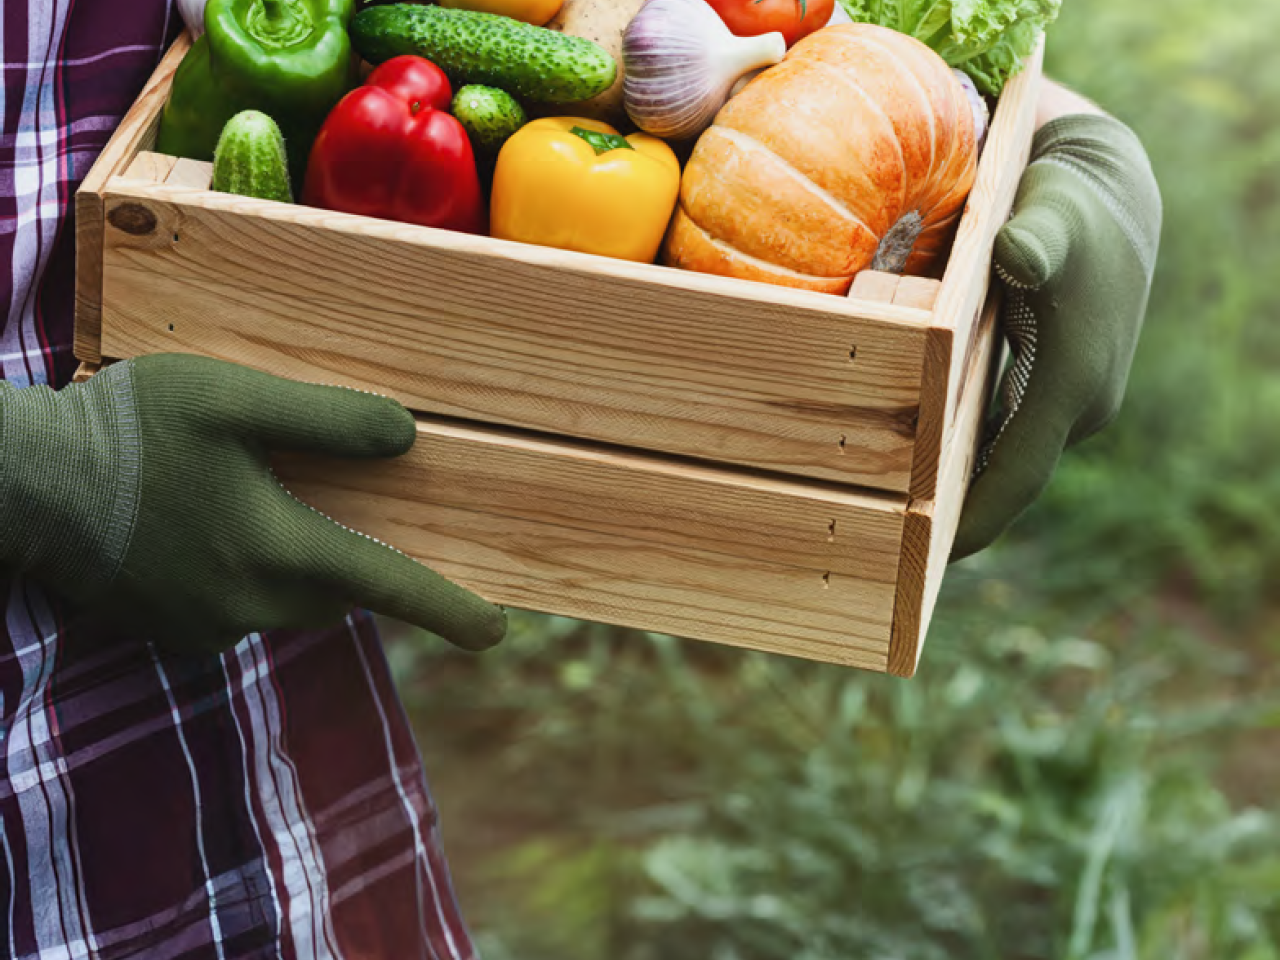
<point>1020,259</point>
<point>970,539</point>
<point>1031,249</point>
<point>388,429</point>
<point>981,521</point>
<point>402,429</point>
<point>485,630</point>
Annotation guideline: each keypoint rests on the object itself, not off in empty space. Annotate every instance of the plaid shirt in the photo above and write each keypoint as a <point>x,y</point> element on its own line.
<point>266,803</point>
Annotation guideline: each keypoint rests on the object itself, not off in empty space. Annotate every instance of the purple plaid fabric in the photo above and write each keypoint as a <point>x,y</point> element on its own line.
<point>267,803</point>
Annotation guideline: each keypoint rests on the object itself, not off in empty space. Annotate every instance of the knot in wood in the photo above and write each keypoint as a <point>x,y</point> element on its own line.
<point>133,218</point>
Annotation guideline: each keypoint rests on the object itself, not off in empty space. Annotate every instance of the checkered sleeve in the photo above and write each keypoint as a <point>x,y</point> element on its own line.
<point>269,802</point>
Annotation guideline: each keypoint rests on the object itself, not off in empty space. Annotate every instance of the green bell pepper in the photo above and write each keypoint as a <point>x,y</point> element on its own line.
<point>290,59</point>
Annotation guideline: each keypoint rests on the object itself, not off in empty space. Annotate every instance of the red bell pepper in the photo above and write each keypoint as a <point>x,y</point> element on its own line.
<point>389,149</point>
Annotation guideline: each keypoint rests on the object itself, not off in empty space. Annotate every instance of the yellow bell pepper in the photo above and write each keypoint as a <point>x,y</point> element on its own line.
<point>591,191</point>
<point>537,12</point>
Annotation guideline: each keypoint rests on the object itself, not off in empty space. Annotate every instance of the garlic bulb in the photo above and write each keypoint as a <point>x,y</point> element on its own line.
<point>681,62</point>
<point>193,16</point>
<point>981,115</point>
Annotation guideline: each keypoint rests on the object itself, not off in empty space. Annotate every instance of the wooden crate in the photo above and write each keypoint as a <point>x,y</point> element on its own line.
<point>698,455</point>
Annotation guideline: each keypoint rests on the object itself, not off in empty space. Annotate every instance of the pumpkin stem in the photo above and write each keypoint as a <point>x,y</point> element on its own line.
<point>895,249</point>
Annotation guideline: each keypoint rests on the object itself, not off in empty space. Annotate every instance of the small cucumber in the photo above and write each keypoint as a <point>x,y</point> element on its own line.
<point>531,62</point>
<point>489,115</point>
<point>250,159</point>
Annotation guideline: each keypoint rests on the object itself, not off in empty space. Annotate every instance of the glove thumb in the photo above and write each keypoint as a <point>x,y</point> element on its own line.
<point>1031,249</point>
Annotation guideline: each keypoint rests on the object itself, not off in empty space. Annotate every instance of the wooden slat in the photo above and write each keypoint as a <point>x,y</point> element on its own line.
<point>136,132</point>
<point>630,354</point>
<point>961,355</point>
<point>639,541</point>
<point>197,174</point>
<point>85,371</point>
<point>874,286</point>
<point>967,278</point>
<point>150,167</point>
<point>919,292</point>
<point>930,526</point>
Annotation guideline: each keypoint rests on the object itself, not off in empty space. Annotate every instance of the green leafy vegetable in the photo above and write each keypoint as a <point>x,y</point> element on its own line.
<point>987,39</point>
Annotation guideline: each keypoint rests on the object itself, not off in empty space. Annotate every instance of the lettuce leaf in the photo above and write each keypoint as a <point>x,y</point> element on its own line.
<point>987,39</point>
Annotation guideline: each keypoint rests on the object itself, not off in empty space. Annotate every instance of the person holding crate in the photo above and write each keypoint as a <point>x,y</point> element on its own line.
<point>204,755</point>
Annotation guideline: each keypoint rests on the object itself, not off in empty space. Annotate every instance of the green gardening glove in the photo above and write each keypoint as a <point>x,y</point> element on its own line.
<point>146,492</point>
<point>1076,261</point>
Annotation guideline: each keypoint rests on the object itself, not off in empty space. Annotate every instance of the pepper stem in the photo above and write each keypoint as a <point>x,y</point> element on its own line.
<point>602,142</point>
<point>279,23</point>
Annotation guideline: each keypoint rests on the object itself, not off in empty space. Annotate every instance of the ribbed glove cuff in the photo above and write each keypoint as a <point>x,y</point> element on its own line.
<point>69,480</point>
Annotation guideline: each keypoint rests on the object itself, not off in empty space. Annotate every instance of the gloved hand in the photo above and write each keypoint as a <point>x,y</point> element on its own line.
<point>1076,261</point>
<point>147,492</point>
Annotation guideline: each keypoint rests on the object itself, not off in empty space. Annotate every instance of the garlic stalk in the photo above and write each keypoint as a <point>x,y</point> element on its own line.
<point>681,63</point>
<point>193,16</point>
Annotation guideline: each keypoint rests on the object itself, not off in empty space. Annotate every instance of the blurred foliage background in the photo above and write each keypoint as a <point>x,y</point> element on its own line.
<point>1087,764</point>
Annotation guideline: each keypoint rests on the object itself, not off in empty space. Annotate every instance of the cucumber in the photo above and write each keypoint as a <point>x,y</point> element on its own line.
<point>482,48</point>
<point>489,115</point>
<point>250,159</point>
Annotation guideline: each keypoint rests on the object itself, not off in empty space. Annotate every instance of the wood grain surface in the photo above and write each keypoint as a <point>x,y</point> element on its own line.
<point>874,286</point>
<point>968,276</point>
<point>136,132</point>
<point>930,525</point>
<point>919,292</point>
<point>959,362</point>
<point>630,354</point>
<point>635,540</point>
<point>197,174</point>
<point>84,371</point>
<point>150,167</point>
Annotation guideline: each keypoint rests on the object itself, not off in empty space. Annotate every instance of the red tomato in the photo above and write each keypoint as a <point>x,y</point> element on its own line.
<point>794,19</point>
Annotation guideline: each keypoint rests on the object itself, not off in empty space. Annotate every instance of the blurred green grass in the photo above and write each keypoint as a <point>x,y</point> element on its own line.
<point>1085,768</point>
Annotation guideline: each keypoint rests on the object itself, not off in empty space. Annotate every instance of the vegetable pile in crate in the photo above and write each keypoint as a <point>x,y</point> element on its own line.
<point>663,297</point>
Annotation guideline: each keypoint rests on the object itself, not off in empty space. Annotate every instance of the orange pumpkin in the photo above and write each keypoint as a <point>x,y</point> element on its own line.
<point>856,151</point>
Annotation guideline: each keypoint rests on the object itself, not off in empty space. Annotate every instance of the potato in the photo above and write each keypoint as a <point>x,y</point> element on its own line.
<point>602,22</point>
